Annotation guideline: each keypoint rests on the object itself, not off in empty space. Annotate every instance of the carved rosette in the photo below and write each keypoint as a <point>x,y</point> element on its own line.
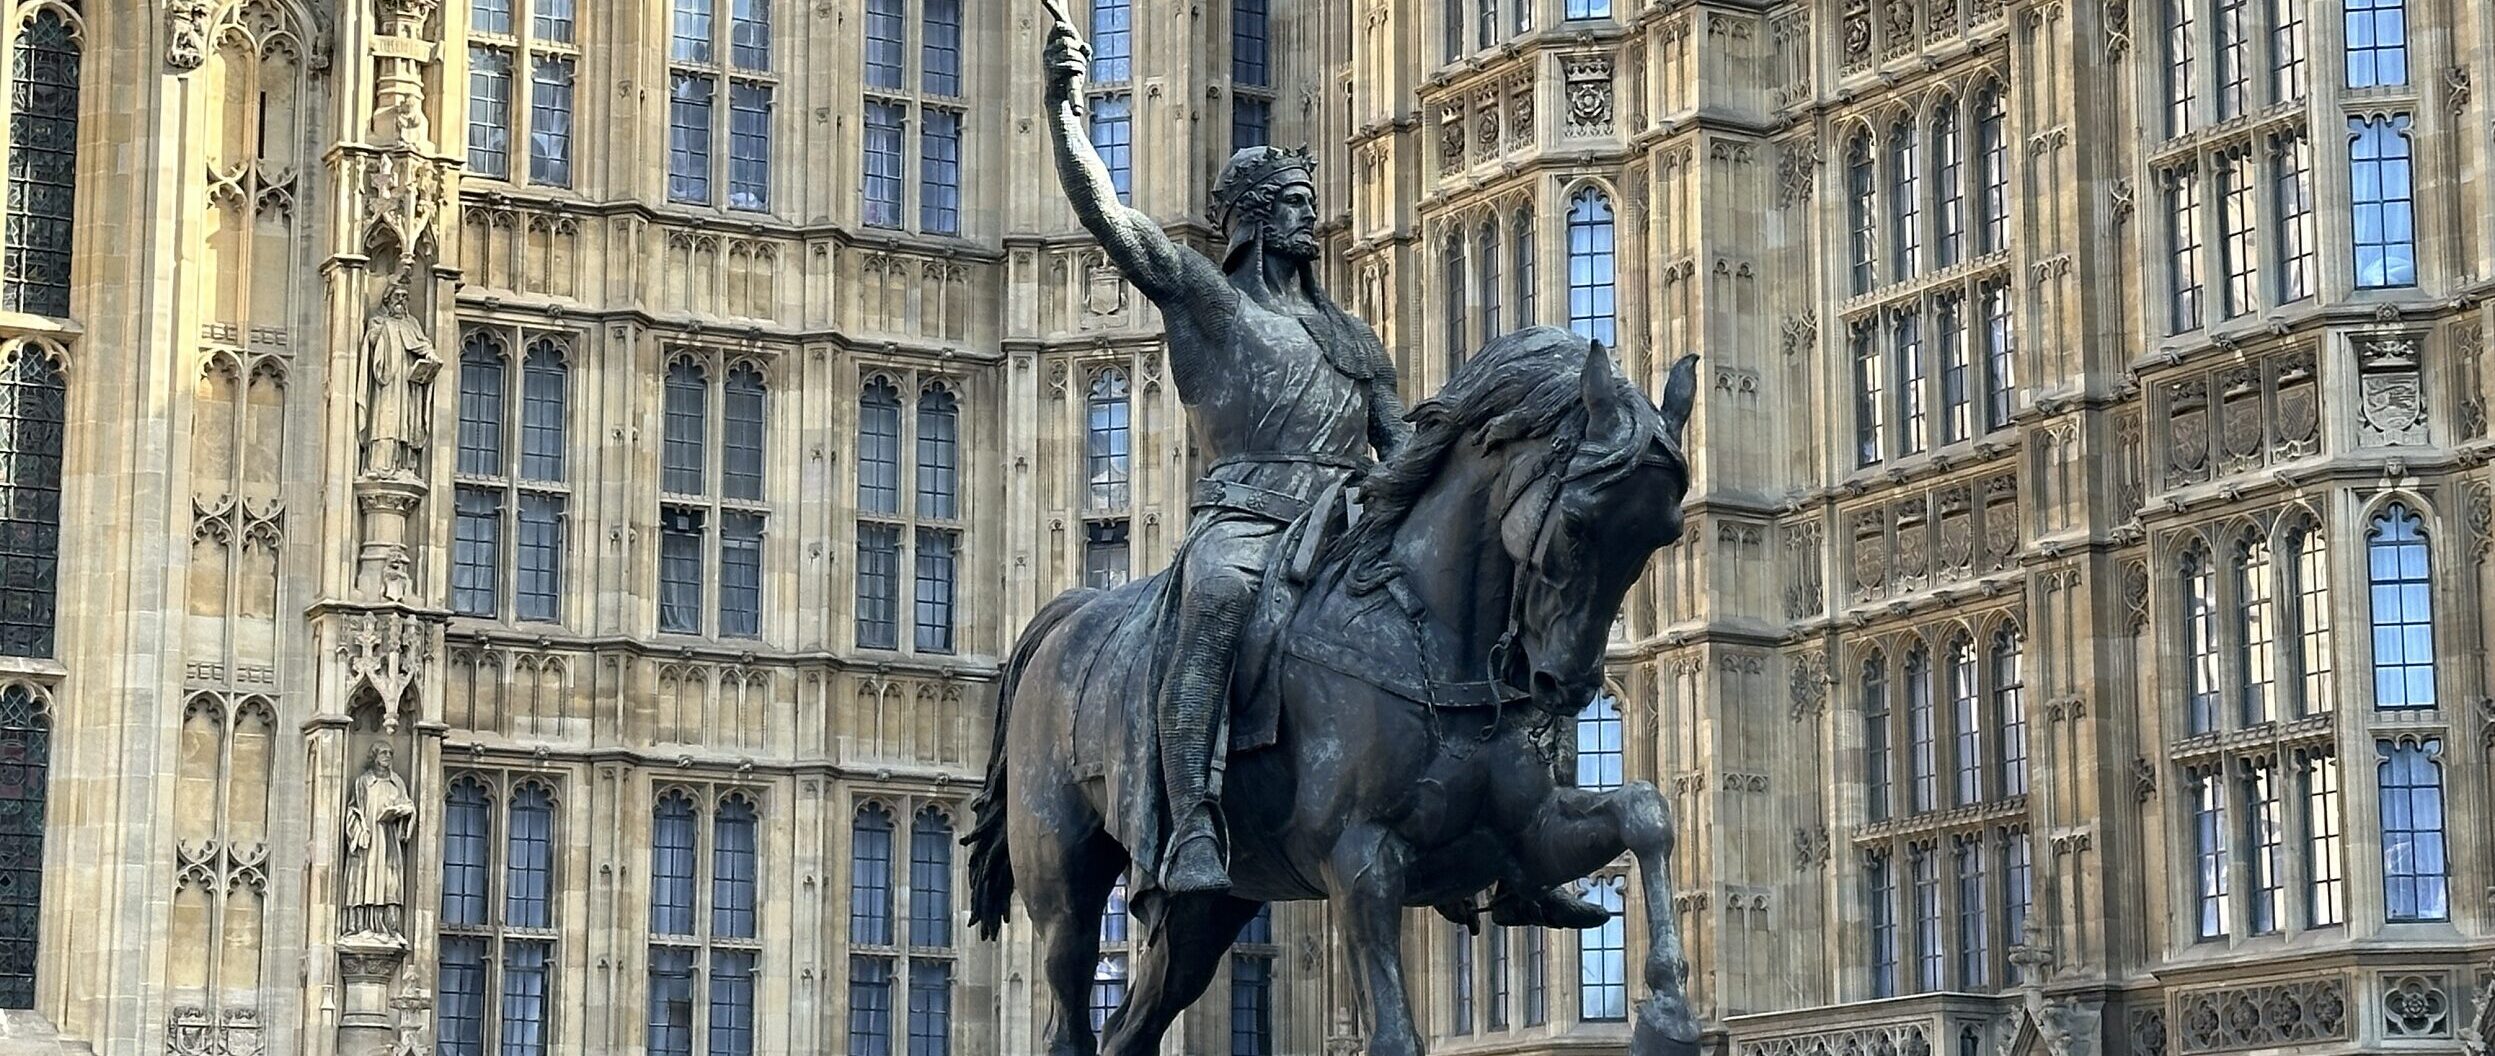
<point>1857,31</point>
<point>1589,90</point>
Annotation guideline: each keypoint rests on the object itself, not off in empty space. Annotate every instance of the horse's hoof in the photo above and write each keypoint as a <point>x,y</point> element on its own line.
<point>1662,1033</point>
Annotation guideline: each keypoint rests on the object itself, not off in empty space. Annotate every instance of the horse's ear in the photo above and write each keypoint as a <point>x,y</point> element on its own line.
<point>1600,385</point>
<point>1680,392</point>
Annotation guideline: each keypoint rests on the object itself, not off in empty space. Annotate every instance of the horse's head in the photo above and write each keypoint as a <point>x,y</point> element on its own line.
<point>1581,522</point>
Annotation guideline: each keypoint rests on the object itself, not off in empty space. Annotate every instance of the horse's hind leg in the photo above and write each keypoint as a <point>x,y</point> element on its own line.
<point>1066,921</point>
<point>1196,931</point>
<point>1576,832</point>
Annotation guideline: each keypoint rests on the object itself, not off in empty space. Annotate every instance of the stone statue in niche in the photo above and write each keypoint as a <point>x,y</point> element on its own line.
<point>381,818</point>
<point>393,411</point>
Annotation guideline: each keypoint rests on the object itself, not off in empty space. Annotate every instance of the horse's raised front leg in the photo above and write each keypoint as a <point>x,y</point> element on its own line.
<point>1365,877</point>
<point>1576,833</point>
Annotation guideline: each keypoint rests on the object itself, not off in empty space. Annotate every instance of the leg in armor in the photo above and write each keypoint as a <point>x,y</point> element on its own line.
<point>1209,621</point>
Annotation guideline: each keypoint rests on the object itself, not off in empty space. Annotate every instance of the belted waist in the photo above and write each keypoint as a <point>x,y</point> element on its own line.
<point>1248,498</point>
<point>1287,458</point>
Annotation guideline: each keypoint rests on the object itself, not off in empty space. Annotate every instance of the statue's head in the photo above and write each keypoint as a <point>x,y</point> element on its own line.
<point>379,757</point>
<point>1268,195</point>
<point>394,298</point>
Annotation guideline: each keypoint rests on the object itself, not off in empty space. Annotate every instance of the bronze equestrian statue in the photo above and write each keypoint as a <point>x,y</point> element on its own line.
<point>1309,652</point>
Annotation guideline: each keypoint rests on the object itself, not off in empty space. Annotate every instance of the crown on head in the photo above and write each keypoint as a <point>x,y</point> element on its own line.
<point>1252,170</point>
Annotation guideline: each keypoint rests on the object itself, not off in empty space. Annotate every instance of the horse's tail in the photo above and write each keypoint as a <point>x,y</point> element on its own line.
<point>991,869</point>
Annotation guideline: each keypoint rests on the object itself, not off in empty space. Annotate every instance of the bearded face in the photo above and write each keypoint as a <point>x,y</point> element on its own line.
<point>1289,227</point>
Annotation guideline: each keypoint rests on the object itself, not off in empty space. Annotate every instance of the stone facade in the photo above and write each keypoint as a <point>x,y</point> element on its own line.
<point>623,414</point>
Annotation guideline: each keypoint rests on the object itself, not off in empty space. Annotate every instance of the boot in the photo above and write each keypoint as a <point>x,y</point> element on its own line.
<point>1554,908</point>
<point>1195,857</point>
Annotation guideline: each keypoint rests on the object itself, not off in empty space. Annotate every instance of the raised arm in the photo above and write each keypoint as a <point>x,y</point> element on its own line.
<point>1174,276</point>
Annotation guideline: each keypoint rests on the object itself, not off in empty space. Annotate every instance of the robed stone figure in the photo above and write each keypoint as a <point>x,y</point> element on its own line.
<point>392,412</point>
<point>1291,398</point>
<point>381,818</point>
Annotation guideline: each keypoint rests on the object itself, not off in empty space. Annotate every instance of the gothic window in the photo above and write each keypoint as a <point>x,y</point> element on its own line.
<point>1108,441</point>
<point>1957,401</point>
<point>1923,751</point>
<point>2414,864</point>
<point>1460,994</point>
<point>2182,84</point>
<point>1905,200</point>
<point>695,72</point>
<point>1930,957</point>
<point>2287,50</point>
<point>712,533</point>
<point>882,187</point>
<point>43,165</point>
<point>2209,879</point>
<point>1524,269</point>
<point>2183,280</point>
<point>1537,985</point>
<point>2377,43</point>
<point>1974,920</point>
<point>2401,573</point>
<point>1495,1014</point>
<point>940,172</point>
<point>1870,401</point>
<point>1252,960</point>
<point>703,965</point>
<point>2264,844</point>
<point>1591,305</point>
<point>1967,722</point>
<point>1880,912</point>
<point>2009,714</point>
<point>931,526</point>
<point>1112,102</point>
<point>34,416</point>
<point>870,927</point>
<point>1109,976</point>
<point>2308,585</point>
<point>1876,763</point>
<point>1993,140</point>
<point>2325,878</point>
<point>918,956</point>
<point>498,932</point>
<point>1599,739</point>
<point>1946,141</point>
<point>509,477</point>
<point>1906,346</point>
<point>2256,630</point>
<point>2379,177</point>
<point>501,42</point>
<point>2291,159</point>
<point>2000,357</point>
<point>1861,206</point>
<point>931,933</point>
<point>1486,261</point>
<point>2238,252</point>
<point>2234,58</point>
<point>1603,955</point>
<point>2200,641</point>
<point>1454,265</point>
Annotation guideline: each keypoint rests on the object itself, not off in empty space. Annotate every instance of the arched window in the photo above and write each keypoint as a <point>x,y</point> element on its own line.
<point>688,423</point>
<point>2209,874</point>
<point>1486,261</point>
<point>939,454</point>
<point>2415,863</point>
<point>497,954</point>
<point>870,877</point>
<point>34,418</point>
<point>2010,713</point>
<point>1923,751</point>
<point>482,395</point>
<point>2308,583</point>
<point>931,879</point>
<point>1524,269</point>
<point>673,829</point>
<point>1877,784</point>
<point>1871,410</point>
<point>1592,311</point>
<point>1599,744</point>
<point>1992,140</point>
<point>1453,264</point>
<point>544,387</point>
<point>1949,311</point>
<point>2256,627</point>
<point>43,166</point>
<point>878,617</point>
<point>2324,872</point>
<point>1861,206</point>
<point>1966,722</point>
<point>1603,955</point>
<point>1107,440</point>
<point>2402,575</point>
<point>1905,200</point>
<point>1906,343</point>
<point>879,447</point>
<point>741,462</point>
<point>528,859</point>
<point>2200,641</point>
<point>732,870</point>
<point>1952,194</point>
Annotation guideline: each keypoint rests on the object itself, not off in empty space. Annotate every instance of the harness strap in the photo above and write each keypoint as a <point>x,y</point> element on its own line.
<point>1450,696</point>
<point>1308,458</point>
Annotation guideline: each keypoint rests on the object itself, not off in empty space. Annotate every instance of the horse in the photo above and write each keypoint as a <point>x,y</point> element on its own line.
<point>1500,540</point>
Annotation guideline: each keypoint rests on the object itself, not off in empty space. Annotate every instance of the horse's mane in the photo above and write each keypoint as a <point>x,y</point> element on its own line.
<point>1523,386</point>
